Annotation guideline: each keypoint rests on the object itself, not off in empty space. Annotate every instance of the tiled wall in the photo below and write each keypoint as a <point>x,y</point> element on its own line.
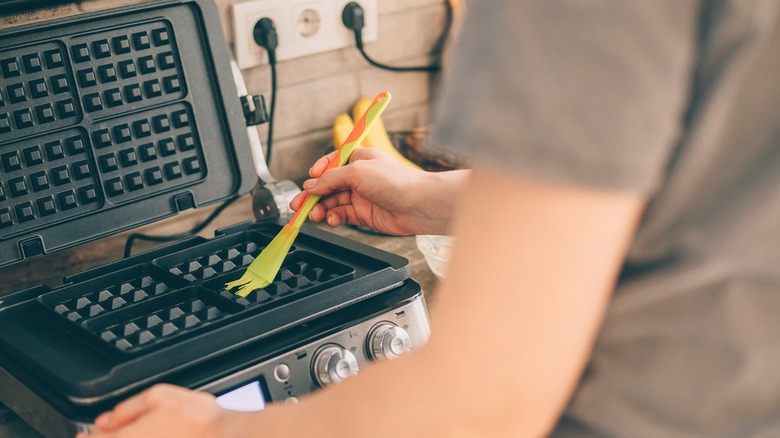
<point>314,89</point>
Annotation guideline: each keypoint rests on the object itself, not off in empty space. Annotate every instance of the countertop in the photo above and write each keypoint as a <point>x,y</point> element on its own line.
<point>50,269</point>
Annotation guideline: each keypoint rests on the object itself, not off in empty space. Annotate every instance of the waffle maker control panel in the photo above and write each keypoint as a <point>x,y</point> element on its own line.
<point>327,361</point>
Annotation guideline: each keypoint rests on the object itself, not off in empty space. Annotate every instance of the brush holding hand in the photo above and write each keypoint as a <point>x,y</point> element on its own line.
<point>262,271</point>
<point>376,191</point>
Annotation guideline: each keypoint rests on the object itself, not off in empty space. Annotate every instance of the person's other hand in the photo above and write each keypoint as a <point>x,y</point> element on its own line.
<point>376,191</point>
<point>164,411</point>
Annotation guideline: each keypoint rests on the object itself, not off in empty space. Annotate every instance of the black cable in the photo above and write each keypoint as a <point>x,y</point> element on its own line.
<point>359,44</point>
<point>271,115</point>
<point>353,18</point>
<point>438,48</point>
<point>265,36</point>
<point>195,230</point>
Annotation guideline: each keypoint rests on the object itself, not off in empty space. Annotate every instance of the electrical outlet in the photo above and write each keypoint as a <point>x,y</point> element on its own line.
<point>304,27</point>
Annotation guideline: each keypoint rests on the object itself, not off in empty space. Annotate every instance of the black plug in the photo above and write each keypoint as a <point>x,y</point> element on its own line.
<point>265,36</point>
<point>354,18</point>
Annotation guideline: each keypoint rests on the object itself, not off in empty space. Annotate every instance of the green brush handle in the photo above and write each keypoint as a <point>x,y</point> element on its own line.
<point>343,153</point>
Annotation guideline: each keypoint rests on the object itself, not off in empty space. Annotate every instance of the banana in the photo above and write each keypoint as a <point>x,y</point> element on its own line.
<point>342,126</point>
<point>377,137</point>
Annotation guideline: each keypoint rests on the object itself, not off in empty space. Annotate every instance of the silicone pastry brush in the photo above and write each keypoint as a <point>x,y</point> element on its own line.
<point>262,271</point>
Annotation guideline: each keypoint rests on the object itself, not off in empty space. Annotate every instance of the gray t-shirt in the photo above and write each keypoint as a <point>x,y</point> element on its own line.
<point>678,100</point>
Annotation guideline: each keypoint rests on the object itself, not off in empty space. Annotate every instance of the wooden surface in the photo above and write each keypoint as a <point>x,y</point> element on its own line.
<point>50,269</point>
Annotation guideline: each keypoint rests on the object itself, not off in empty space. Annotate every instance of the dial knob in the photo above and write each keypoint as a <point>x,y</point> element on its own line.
<point>332,364</point>
<point>388,341</point>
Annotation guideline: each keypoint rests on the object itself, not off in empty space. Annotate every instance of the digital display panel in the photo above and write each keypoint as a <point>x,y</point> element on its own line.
<point>247,398</point>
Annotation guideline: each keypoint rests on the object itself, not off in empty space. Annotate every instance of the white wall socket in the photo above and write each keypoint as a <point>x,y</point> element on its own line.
<point>304,27</point>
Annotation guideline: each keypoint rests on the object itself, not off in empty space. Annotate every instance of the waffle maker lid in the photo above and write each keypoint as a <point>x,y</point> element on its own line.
<point>115,119</point>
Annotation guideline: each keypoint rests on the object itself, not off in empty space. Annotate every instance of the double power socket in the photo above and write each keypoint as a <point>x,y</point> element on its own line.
<point>304,27</point>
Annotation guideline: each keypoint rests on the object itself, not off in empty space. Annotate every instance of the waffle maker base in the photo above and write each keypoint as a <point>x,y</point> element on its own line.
<point>68,354</point>
<point>115,119</point>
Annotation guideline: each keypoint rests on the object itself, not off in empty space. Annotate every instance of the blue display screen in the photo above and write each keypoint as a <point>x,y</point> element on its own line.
<point>247,398</point>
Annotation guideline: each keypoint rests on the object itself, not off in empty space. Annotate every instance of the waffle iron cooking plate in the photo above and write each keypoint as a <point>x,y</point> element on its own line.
<point>112,120</point>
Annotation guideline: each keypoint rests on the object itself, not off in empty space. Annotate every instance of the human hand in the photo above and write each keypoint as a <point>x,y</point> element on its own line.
<point>376,191</point>
<point>166,411</point>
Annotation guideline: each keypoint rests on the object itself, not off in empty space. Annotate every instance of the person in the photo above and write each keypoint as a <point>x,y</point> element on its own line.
<point>615,269</point>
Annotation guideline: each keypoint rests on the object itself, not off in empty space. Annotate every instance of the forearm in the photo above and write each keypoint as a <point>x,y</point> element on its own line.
<point>509,339</point>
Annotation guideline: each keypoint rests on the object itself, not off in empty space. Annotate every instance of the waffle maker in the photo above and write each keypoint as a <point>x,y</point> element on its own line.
<point>119,118</point>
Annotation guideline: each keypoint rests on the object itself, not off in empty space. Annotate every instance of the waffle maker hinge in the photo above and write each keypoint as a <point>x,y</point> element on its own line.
<point>271,197</point>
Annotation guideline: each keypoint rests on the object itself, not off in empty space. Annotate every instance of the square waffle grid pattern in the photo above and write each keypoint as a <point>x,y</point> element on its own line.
<point>37,93</point>
<point>105,295</point>
<point>109,87</point>
<point>226,260</point>
<point>46,180</point>
<point>137,307</point>
<point>301,273</point>
<point>122,69</point>
<point>217,261</point>
<point>148,152</point>
<point>191,310</point>
<point>150,305</point>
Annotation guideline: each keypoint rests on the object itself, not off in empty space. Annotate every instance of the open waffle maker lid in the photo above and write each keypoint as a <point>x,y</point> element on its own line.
<point>115,119</point>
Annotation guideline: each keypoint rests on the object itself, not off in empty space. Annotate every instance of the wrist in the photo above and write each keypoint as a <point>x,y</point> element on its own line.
<point>436,202</point>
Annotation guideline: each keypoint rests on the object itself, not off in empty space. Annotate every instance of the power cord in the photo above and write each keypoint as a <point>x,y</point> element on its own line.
<point>195,230</point>
<point>265,36</point>
<point>353,17</point>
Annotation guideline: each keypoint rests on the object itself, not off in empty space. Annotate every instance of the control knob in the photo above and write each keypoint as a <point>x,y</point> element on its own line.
<point>332,364</point>
<point>388,341</point>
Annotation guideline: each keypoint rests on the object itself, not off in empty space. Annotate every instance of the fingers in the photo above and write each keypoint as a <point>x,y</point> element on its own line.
<point>361,153</point>
<point>336,210</point>
<point>319,167</point>
<point>333,181</point>
<point>124,413</point>
<point>338,181</point>
<point>131,409</point>
<point>298,200</point>
<point>319,212</point>
<point>341,215</point>
<point>366,153</point>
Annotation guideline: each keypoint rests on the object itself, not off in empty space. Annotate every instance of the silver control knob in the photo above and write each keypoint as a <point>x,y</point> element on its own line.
<point>388,341</point>
<point>332,364</point>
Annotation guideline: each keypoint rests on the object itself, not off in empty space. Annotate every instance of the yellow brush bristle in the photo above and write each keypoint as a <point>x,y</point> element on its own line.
<point>245,288</point>
<point>262,271</point>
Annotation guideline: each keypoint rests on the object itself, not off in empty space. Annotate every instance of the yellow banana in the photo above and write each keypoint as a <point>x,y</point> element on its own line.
<point>377,137</point>
<point>342,126</point>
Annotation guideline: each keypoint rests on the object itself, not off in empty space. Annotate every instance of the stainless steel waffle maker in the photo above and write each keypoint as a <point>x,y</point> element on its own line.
<point>119,118</point>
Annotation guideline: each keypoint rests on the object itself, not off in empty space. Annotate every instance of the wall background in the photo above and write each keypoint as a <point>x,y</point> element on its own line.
<point>313,90</point>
